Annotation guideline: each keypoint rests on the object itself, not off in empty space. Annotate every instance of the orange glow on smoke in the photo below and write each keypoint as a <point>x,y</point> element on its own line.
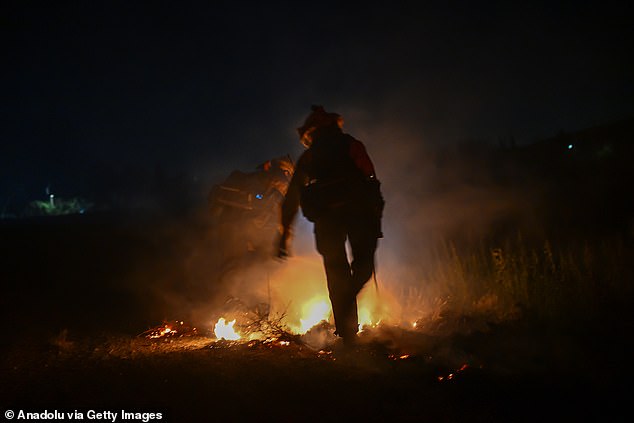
<point>373,307</point>
<point>313,312</point>
<point>297,295</point>
<point>299,291</point>
<point>365,318</point>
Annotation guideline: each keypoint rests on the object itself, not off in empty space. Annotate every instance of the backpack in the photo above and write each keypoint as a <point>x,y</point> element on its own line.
<point>337,188</point>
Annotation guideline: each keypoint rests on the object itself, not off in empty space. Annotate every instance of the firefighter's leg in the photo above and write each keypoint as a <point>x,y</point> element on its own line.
<point>330,238</point>
<point>363,246</point>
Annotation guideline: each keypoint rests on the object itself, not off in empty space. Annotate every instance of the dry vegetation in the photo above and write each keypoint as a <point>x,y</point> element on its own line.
<point>510,327</point>
<point>571,282</point>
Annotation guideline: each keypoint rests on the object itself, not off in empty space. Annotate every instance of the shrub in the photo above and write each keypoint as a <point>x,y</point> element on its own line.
<point>58,207</point>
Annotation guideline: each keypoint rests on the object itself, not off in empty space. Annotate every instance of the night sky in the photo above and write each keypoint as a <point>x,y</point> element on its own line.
<point>93,89</point>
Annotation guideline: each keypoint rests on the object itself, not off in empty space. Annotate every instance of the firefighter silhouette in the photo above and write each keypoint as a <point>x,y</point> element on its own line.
<point>336,186</point>
<point>245,208</point>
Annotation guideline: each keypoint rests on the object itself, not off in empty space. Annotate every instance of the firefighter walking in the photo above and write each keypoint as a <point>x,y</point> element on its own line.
<point>335,185</point>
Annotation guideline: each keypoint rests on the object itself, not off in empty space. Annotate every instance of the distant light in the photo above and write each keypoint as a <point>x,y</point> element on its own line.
<point>570,146</point>
<point>259,196</point>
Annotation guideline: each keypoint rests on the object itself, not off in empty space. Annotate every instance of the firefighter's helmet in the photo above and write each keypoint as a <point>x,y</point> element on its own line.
<point>318,118</point>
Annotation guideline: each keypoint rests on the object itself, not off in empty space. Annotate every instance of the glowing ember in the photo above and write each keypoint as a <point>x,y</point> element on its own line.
<point>398,357</point>
<point>170,330</point>
<point>450,376</point>
<point>326,354</point>
<point>313,312</point>
<point>224,330</point>
<point>159,333</point>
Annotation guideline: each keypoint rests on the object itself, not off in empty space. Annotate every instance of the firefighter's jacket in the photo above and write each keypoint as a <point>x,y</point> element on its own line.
<point>334,159</point>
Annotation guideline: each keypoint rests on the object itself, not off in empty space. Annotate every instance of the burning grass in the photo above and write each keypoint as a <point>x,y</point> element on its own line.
<point>495,307</point>
<point>186,375</point>
<point>461,291</point>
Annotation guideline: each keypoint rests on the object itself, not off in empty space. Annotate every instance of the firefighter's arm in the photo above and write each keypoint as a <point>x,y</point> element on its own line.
<point>290,206</point>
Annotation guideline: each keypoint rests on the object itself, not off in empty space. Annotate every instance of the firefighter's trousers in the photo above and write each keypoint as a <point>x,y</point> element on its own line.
<point>345,279</point>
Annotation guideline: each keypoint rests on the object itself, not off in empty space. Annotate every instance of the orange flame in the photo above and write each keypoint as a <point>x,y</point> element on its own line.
<point>224,330</point>
<point>313,312</point>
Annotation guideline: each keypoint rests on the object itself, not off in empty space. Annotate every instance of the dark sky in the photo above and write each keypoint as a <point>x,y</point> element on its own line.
<point>95,87</point>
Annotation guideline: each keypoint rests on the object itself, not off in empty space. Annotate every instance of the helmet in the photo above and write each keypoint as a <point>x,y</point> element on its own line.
<point>317,119</point>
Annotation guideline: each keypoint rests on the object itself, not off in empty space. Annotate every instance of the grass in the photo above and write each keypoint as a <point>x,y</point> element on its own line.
<point>71,343</point>
<point>564,283</point>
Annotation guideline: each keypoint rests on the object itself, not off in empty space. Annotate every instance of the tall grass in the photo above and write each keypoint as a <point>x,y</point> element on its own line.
<point>564,282</point>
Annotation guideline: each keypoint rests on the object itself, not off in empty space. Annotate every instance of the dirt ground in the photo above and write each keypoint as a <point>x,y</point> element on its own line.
<point>71,321</point>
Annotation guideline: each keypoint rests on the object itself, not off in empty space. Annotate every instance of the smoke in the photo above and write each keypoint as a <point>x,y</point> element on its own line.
<point>446,202</point>
<point>434,196</point>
